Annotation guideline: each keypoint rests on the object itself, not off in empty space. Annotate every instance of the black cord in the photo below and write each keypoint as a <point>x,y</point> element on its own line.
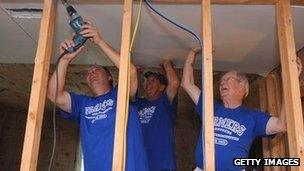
<point>54,111</point>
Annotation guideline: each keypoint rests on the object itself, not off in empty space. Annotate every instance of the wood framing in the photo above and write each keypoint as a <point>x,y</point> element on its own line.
<point>263,108</point>
<point>222,2</point>
<point>274,104</point>
<point>251,2</point>
<point>39,86</point>
<point>119,154</point>
<point>207,78</point>
<point>290,78</point>
<point>277,146</point>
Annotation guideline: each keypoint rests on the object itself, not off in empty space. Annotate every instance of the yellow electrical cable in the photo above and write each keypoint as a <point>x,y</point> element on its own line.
<point>136,26</point>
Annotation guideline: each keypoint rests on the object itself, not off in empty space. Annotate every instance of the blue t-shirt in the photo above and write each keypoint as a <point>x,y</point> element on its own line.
<point>234,131</point>
<point>157,118</point>
<point>96,117</point>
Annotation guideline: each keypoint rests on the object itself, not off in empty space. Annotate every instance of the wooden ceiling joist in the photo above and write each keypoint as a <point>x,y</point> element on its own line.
<point>261,2</point>
<point>222,2</point>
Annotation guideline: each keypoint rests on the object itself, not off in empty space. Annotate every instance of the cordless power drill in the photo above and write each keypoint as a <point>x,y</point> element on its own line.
<point>75,22</point>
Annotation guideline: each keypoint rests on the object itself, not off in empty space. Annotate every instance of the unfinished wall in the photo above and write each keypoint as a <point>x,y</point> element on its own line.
<point>12,127</point>
<point>66,147</point>
<point>278,146</point>
<point>300,54</point>
<point>15,82</point>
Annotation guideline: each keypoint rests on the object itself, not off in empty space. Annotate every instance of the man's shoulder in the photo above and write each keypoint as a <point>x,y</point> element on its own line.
<point>81,97</point>
<point>253,111</point>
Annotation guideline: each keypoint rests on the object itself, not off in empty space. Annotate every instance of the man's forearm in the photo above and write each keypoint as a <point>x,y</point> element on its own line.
<point>61,70</point>
<point>171,75</point>
<point>188,80</point>
<point>188,70</point>
<point>112,54</point>
<point>133,80</point>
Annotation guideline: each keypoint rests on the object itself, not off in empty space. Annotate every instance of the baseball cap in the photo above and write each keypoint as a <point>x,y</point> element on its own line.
<point>162,79</point>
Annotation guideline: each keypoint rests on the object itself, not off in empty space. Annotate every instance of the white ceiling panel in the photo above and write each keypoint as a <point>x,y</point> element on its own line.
<point>244,37</point>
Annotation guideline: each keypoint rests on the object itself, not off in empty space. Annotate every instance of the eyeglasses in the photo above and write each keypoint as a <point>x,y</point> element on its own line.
<point>230,78</point>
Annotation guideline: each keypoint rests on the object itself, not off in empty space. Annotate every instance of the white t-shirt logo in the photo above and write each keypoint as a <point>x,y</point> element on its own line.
<point>224,129</point>
<point>146,114</point>
<point>98,111</point>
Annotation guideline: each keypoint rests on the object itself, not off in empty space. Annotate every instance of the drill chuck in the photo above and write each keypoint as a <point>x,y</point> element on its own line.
<point>76,22</point>
<point>71,11</point>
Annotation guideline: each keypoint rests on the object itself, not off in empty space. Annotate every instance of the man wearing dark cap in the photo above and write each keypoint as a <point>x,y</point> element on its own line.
<point>157,112</point>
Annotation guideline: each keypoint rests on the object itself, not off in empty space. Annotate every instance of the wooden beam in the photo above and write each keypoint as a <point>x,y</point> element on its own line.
<point>277,144</point>
<point>221,2</point>
<point>265,2</point>
<point>274,110</point>
<point>290,78</point>
<point>207,78</point>
<point>263,95</point>
<point>263,108</point>
<point>119,154</point>
<point>39,86</point>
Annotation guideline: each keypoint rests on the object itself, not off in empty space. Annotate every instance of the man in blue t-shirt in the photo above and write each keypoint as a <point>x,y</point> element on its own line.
<point>156,113</point>
<point>96,114</point>
<point>235,127</point>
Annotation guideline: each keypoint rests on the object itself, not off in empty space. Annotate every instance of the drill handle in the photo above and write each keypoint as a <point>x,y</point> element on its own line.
<point>79,41</point>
